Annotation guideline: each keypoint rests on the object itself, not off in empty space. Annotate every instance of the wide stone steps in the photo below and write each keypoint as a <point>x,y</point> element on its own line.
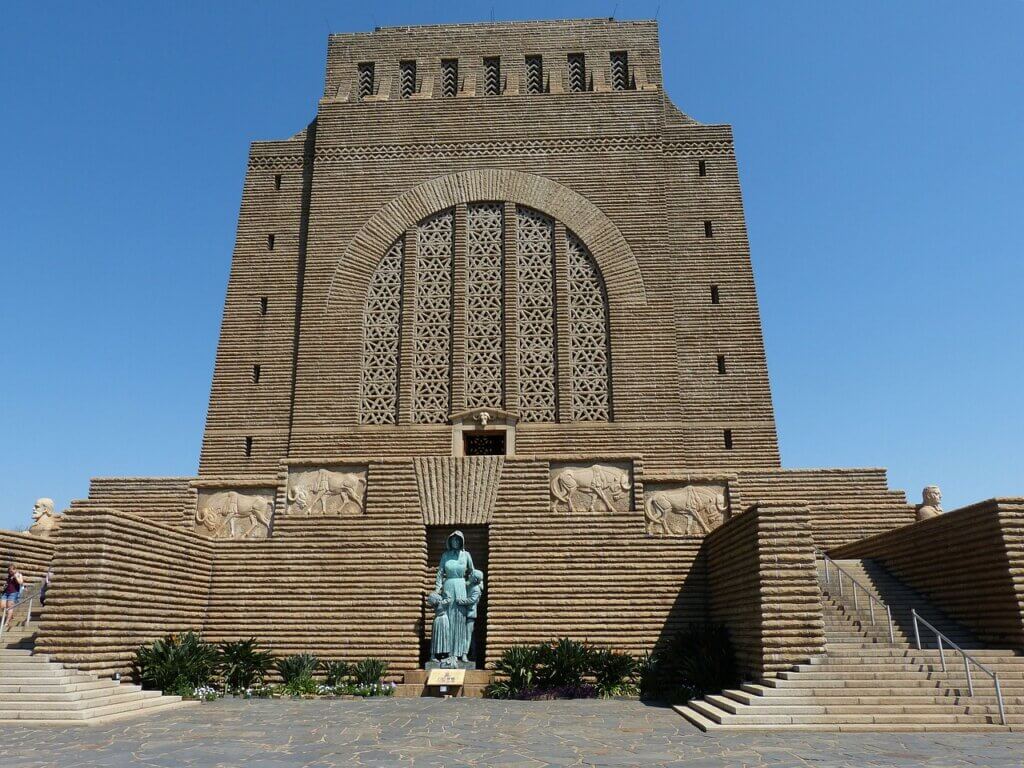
<point>865,682</point>
<point>37,689</point>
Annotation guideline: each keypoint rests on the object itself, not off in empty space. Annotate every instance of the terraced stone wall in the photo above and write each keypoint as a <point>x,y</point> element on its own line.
<point>970,562</point>
<point>844,504</point>
<point>763,586</point>
<point>32,554</point>
<point>121,580</point>
<point>170,500</point>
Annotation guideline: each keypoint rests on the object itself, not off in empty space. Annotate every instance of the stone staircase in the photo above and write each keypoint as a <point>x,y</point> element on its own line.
<point>864,682</point>
<point>35,689</point>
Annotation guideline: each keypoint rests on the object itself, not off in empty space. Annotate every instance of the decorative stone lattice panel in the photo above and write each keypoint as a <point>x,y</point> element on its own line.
<point>684,509</point>
<point>536,312</point>
<point>485,341</point>
<point>382,323</point>
<point>589,487</point>
<point>432,327</point>
<point>588,335</point>
<point>322,491</point>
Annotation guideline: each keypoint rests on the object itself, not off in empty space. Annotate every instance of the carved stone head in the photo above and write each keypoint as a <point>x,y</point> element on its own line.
<point>931,496</point>
<point>42,508</point>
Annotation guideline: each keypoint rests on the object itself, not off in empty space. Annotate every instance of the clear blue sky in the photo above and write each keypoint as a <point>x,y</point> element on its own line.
<point>880,151</point>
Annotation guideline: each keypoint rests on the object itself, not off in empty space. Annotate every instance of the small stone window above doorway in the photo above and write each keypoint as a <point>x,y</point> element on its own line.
<point>483,432</point>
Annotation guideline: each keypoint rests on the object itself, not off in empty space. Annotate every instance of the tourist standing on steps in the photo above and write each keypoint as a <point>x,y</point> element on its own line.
<point>12,592</point>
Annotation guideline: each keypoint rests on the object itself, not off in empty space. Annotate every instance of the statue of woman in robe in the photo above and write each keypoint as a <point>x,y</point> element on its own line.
<point>456,564</point>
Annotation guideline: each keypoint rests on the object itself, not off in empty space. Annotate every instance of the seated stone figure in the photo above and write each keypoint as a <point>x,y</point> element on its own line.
<point>931,497</point>
<point>44,520</point>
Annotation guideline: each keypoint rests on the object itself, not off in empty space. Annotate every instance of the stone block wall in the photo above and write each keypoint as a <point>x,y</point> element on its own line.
<point>970,562</point>
<point>762,584</point>
<point>120,581</point>
<point>170,500</point>
<point>31,554</point>
<point>844,504</point>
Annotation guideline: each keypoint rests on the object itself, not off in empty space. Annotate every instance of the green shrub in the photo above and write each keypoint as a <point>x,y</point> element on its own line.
<point>563,663</point>
<point>242,664</point>
<point>369,671</point>
<point>613,672</point>
<point>337,672</point>
<point>699,660</point>
<point>516,670</point>
<point>298,668</point>
<point>177,664</point>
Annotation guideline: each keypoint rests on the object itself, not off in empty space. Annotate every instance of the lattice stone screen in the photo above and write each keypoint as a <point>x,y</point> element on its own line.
<point>485,293</point>
<point>382,323</point>
<point>588,335</point>
<point>432,326</point>
<point>482,305</point>
<point>535,243</point>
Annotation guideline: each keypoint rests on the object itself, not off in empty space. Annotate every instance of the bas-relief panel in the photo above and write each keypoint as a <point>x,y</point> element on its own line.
<point>228,514</point>
<point>685,509</point>
<point>591,487</point>
<point>323,491</point>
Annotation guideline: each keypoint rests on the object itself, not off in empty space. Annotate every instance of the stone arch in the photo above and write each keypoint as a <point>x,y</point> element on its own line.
<point>619,269</point>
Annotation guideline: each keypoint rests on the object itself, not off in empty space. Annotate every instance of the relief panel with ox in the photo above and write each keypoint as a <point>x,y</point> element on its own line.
<point>685,509</point>
<point>602,487</point>
<point>230,514</point>
<point>331,492</point>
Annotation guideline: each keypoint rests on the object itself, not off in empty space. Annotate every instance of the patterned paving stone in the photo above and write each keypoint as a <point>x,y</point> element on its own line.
<point>428,733</point>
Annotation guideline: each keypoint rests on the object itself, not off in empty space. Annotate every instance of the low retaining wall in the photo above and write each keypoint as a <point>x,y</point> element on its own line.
<point>969,562</point>
<point>121,581</point>
<point>31,554</point>
<point>763,586</point>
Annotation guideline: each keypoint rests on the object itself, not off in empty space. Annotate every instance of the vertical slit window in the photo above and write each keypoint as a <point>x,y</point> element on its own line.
<point>263,306</point>
<point>534,74</point>
<point>277,181</point>
<point>702,167</point>
<point>715,297</point>
<point>619,71</point>
<point>366,79</point>
<point>492,76</point>
<point>721,364</point>
<point>270,242</point>
<point>577,72</point>
<point>248,447</point>
<point>449,78</point>
<point>727,439</point>
<point>256,370</point>
<point>708,230</point>
<point>407,79</point>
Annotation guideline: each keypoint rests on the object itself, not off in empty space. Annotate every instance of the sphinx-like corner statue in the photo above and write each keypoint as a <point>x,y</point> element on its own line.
<point>44,519</point>
<point>930,506</point>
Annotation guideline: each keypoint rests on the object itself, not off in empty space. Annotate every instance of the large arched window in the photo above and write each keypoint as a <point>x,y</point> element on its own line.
<point>487,327</point>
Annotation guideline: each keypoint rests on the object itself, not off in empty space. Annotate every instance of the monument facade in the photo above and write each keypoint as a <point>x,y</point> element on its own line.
<point>499,284</point>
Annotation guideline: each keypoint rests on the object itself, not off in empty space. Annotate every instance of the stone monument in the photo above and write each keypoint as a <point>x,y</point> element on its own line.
<point>44,519</point>
<point>930,506</point>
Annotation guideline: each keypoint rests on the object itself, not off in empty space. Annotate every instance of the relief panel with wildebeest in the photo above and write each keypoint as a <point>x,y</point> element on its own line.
<point>327,491</point>
<point>685,509</point>
<point>596,487</point>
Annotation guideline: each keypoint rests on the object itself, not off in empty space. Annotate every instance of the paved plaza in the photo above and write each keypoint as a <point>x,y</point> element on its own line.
<point>467,732</point>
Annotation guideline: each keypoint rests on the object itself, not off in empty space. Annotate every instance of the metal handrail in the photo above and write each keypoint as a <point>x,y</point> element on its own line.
<point>872,600</point>
<point>968,659</point>
<point>30,593</point>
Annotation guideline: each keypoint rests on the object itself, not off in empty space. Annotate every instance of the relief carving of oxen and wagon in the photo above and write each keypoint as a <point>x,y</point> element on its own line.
<point>685,509</point>
<point>326,492</point>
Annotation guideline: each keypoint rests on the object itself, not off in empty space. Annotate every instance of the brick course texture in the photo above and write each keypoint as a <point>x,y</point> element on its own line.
<point>579,311</point>
<point>968,562</point>
<point>763,586</point>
